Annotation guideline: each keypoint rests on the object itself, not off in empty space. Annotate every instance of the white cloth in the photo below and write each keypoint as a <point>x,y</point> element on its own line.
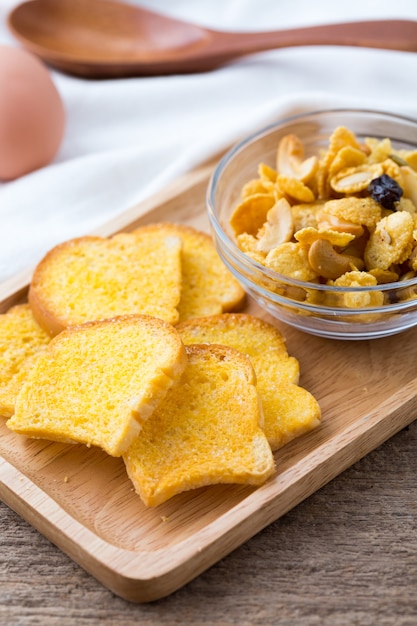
<point>125,139</point>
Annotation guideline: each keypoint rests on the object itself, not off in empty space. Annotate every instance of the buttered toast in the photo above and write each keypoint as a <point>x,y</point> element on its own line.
<point>207,286</point>
<point>94,278</point>
<point>205,431</point>
<point>21,342</point>
<point>97,383</point>
<point>289,410</point>
<point>131,346</point>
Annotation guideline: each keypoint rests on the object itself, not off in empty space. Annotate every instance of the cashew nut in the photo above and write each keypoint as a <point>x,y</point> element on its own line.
<point>278,228</point>
<point>290,159</point>
<point>329,263</point>
<point>355,179</point>
<point>332,222</point>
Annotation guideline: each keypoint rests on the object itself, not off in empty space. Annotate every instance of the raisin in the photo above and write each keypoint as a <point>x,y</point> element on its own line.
<point>386,191</point>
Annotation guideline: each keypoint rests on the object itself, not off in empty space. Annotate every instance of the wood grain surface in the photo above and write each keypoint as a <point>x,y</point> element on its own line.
<point>346,555</point>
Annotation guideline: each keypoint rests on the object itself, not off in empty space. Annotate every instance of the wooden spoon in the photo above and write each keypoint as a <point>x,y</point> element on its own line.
<point>106,38</point>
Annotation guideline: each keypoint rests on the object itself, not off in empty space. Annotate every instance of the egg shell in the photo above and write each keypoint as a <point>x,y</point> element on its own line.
<point>32,115</point>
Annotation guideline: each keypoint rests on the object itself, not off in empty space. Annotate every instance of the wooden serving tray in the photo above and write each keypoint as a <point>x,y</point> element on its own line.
<point>82,500</point>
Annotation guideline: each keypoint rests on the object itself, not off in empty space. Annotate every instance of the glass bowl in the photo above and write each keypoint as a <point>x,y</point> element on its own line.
<point>297,302</point>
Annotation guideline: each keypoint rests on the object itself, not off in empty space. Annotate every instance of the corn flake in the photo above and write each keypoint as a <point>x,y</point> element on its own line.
<point>384,276</point>
<point>309,235</point>
<point>267,173</point>
<point>340,138</point>
<point>348,156</point>
<point>291,259</point>
<point>410,156</point>
<point>248,244</point>
<point>250,215</point>
<point>295,189</point>
<point>391,242</point>
<point>257,186</point>
<point>305,214</point>
<point>380,150</point>
<point>359,300</point>
<point>364,211</point>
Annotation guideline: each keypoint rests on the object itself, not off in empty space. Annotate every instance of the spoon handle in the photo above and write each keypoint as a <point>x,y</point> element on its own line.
<point>387,34</point>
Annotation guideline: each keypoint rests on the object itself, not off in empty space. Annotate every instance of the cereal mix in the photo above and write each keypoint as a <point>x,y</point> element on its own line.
<point>346,216</point>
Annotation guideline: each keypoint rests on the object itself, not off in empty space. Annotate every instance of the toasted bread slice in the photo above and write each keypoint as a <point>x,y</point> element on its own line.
<point>97,383</point>
<point>94,278</point>
<point>208,287</point>
<point>206,430</point>
<point>259,340</point>
<point>289,410</point>
<point>21,342</point>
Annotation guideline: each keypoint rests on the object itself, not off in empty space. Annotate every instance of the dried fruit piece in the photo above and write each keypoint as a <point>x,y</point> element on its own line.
<point>386,191</point>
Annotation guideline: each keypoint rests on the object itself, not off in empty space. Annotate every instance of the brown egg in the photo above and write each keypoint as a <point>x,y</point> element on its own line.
<point>32,116</point>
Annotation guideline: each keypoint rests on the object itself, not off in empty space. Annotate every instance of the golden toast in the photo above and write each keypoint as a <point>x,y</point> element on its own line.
<point>205,431</point>
<point>97,383</point>
<point>94,278</point>
<point>207,287</point>
<point>21,342</point>
<point>289,410</point>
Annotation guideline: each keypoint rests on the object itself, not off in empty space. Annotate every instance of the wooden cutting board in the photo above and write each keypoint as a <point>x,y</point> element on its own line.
<point>82,500</point>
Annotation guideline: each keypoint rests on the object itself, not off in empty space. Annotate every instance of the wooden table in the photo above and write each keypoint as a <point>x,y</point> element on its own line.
<point>346,555</point>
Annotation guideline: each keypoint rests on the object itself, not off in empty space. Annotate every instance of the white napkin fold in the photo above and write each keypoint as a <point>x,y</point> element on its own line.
<point>126,139</point>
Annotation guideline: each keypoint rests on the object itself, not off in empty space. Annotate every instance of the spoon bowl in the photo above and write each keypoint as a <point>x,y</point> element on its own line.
<point>106,38</point>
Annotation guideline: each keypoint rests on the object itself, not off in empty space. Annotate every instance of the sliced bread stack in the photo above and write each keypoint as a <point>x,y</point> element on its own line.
<point>165,270</point>
<point>168,271</point>
<point>146,362</point>
<point>289,410</point>
<point>206,431</point>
